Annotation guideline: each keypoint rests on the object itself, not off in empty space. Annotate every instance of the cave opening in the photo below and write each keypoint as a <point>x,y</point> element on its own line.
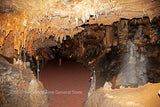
<point>62,74</point>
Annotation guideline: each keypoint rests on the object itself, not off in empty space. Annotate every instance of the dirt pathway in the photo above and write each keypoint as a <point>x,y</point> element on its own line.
<point>67,84</point>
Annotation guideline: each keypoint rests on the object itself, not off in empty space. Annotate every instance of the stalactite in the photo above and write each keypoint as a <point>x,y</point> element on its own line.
<point>76,19</point>
<point>82,47</point>
<point>105,39</point>
<point>109,36</point>
<point>14,60</point>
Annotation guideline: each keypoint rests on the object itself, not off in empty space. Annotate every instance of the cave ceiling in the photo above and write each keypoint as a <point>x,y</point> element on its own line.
<point>59,18</point>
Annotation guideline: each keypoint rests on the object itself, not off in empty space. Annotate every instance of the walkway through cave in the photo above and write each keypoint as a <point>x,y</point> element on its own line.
<point>67,84</point>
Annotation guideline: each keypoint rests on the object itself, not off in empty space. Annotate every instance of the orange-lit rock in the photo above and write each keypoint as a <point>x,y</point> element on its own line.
<point>93,32</point>
<point>144,96</point>
<point>37,20</point>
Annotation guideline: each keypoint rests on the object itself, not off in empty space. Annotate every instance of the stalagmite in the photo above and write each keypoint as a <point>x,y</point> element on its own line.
<point>92,87</point>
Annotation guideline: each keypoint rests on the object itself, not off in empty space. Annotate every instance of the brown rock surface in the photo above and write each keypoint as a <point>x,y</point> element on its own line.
<point>40,28</point>
<point>19,87</point>
<point>143,96</point>
<point>31,20</point>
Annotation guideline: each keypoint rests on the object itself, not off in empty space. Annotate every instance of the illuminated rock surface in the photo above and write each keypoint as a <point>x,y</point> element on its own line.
<point>19,87</point>
<point>144,96</point>
<point>28,20</point>
<point>93,32</point>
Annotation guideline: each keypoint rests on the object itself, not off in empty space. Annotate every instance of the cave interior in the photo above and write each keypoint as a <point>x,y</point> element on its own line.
<point>117,41</point>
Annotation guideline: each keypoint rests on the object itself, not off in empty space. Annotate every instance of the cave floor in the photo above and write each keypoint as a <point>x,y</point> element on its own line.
<point>143,96</point>
<point>67,84</point>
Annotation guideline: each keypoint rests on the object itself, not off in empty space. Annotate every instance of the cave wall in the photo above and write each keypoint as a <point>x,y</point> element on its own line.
<point>19,87</point>
<point>109,50</point>
<point>100,46</point>
<point>94,33</point>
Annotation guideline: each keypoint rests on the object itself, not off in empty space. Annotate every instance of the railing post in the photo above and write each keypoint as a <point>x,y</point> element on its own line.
<point>38,69</point>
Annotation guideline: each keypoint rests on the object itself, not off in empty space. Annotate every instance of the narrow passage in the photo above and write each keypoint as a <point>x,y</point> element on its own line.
<point>67,84</point>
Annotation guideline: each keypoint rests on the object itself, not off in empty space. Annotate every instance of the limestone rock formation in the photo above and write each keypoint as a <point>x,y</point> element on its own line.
<point>144,96</point>
<point>115,50</point>
<point>19,87</point>
<point>95,33</point>
<point>28,21</point>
